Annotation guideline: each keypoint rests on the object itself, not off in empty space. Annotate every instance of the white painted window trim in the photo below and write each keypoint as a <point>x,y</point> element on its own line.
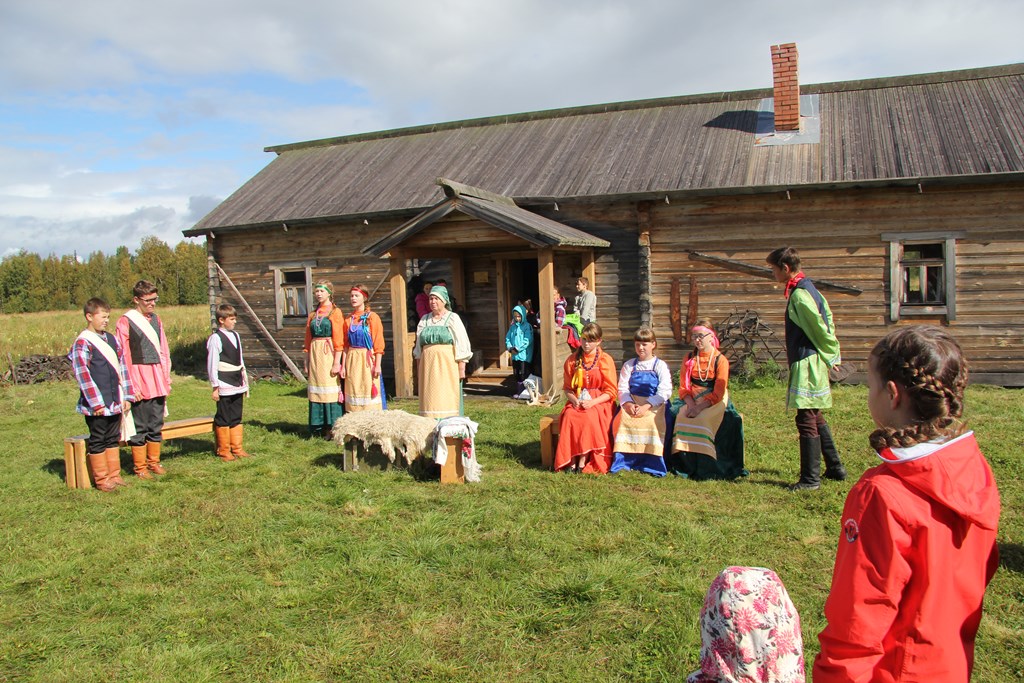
<point>291,266</point>
<point>897,240</point>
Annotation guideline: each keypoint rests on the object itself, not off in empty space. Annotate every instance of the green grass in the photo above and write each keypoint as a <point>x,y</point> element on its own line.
<point>284,568</point>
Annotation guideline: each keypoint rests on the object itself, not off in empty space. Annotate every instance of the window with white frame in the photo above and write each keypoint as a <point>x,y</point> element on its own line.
<point>922,274</point>
<point>293,291</point>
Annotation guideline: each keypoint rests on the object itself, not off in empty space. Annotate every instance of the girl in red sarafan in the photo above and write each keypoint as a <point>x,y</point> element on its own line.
<point>918,543</point>
<point>589,382</point>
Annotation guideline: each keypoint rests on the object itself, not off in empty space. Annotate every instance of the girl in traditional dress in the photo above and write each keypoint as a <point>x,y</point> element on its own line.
<point>750,630</point>
<point>362,355</point>
<point>588,380</point>
<point>707,435</point>
<point>442,348</point>
<point>645,386</point>
<point>322,360</point>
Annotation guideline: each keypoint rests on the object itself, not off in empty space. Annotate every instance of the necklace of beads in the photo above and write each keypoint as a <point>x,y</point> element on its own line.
<point>321,317</point>
<point>700,373</point>
<point>588,368</point>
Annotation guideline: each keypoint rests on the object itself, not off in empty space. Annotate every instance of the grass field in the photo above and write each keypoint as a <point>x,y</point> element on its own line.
<point>283,568</point>
<point>52,333</point>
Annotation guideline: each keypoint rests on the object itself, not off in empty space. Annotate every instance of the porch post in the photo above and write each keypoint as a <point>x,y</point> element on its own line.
<point>589,270</point>
<point>546,287</point>
<point>401,351</point>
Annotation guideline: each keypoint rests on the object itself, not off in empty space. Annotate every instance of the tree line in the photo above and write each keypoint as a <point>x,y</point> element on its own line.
<point>30,283</point>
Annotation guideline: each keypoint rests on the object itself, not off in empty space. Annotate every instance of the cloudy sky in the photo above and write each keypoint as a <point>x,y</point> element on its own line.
<point>121,119</point>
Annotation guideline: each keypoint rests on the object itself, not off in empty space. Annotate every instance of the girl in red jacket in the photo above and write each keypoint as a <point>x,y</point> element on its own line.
<point>918,543</point>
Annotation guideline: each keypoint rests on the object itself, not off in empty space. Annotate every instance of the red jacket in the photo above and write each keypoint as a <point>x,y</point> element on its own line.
<point>917,549</point>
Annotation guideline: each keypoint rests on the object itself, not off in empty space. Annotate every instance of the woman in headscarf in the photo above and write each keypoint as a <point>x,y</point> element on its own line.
<point>750,630</point>
<point>322,360</point>
<point>442,348</point>
<point>707,434</point>
<point>362,355</point>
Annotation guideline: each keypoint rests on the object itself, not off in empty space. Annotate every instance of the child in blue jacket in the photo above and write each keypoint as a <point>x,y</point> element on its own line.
<point>519,343</point>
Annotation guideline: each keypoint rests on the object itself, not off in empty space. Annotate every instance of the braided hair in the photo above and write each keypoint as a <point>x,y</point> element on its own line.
<point>929,363</point>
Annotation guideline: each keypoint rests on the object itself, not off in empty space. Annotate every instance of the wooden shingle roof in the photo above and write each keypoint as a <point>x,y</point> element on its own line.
<point>955,124</point>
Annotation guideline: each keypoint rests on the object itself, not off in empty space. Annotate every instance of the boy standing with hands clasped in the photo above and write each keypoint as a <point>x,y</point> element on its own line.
<point>230,384</point>
<point>148,359</point>
<point>106,393</point>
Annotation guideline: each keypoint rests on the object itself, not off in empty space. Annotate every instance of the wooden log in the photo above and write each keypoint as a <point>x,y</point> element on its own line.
<point>70,474</point>
<point>81,468</point>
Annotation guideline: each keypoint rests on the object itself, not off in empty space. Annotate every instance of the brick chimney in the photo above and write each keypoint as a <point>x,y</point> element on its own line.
<point>787,87</point>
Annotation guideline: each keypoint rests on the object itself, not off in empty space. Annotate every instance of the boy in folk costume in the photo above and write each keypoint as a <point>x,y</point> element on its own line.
<point>230,383</point>
<point>106,394</point>
<point>148,360</point>
<point>811,350</point>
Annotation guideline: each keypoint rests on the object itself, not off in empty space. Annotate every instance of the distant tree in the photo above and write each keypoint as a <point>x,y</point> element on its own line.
<point>123,273</point>
<point>154,261</point>
<point>190,262</point>
<point>14,276</point>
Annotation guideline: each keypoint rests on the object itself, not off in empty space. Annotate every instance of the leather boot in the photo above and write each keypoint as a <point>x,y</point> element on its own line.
<point>236,442</point>
<point>153,457</point>
<point>139,462</point>
<point>114,467</point>
<point>810,464</point>
<point>98,465</point>
<point>833,465</point>
<point>222,437</point>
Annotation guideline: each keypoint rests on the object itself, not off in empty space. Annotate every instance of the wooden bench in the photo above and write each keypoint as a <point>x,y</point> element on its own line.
<point>548,440</point>
<point>358,457</point>
<point>76,473</point>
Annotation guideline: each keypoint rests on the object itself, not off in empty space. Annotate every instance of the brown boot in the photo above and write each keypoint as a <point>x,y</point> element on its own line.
<point>139,462</point>
<point>153,457</point>
<point>236,442</point>
<point>114,467</point>
<point>222,437</point>
<point>98,465</point>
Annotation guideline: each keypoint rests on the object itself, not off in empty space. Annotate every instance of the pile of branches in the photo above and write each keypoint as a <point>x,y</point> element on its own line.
<point>36,369</point>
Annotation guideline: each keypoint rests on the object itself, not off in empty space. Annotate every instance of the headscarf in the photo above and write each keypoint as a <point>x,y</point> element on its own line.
<point>750,630</point>
<point>689,363</point>
<point>441,292</point>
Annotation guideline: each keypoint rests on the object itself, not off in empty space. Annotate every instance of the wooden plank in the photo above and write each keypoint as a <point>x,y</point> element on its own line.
<point>548,335</point>
<point>765,272</point>
<point>675,316</point>
<point>70,475</point>
<point>82,480</point>
<point>453,471</point>
<point>401,349</point>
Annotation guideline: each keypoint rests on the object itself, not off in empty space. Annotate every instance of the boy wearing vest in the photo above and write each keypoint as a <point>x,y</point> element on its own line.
<point>230,384</point>
<point>148,359</point>
<point>106,394</point>
<point>811,350</point>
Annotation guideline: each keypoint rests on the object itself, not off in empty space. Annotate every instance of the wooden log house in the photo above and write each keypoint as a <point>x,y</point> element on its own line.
<point>905,195</point>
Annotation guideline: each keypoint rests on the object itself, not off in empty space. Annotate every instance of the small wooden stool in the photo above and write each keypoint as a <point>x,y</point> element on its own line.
<point>548,440</point>
<point>357,456</point>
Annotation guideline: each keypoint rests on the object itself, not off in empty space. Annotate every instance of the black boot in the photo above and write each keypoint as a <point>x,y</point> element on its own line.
<point>833,465</point>
<point>810,464</point>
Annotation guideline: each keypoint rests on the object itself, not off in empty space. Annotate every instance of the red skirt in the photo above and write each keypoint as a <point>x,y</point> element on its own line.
<point>587,433</point>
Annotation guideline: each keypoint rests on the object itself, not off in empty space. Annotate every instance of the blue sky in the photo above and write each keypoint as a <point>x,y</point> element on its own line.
<point>121,119</point>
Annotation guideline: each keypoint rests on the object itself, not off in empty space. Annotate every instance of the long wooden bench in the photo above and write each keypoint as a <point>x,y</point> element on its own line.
<point>76,473</point>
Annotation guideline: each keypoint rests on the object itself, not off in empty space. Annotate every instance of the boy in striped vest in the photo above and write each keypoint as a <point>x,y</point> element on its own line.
<point>230,384</point>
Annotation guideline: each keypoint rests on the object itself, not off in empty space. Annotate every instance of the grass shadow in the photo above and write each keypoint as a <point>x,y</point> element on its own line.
<point>190,359</point>
<point>335,460</point>
<point>300,430</point>
<point>56,467</point>
<point>1011,557</point>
